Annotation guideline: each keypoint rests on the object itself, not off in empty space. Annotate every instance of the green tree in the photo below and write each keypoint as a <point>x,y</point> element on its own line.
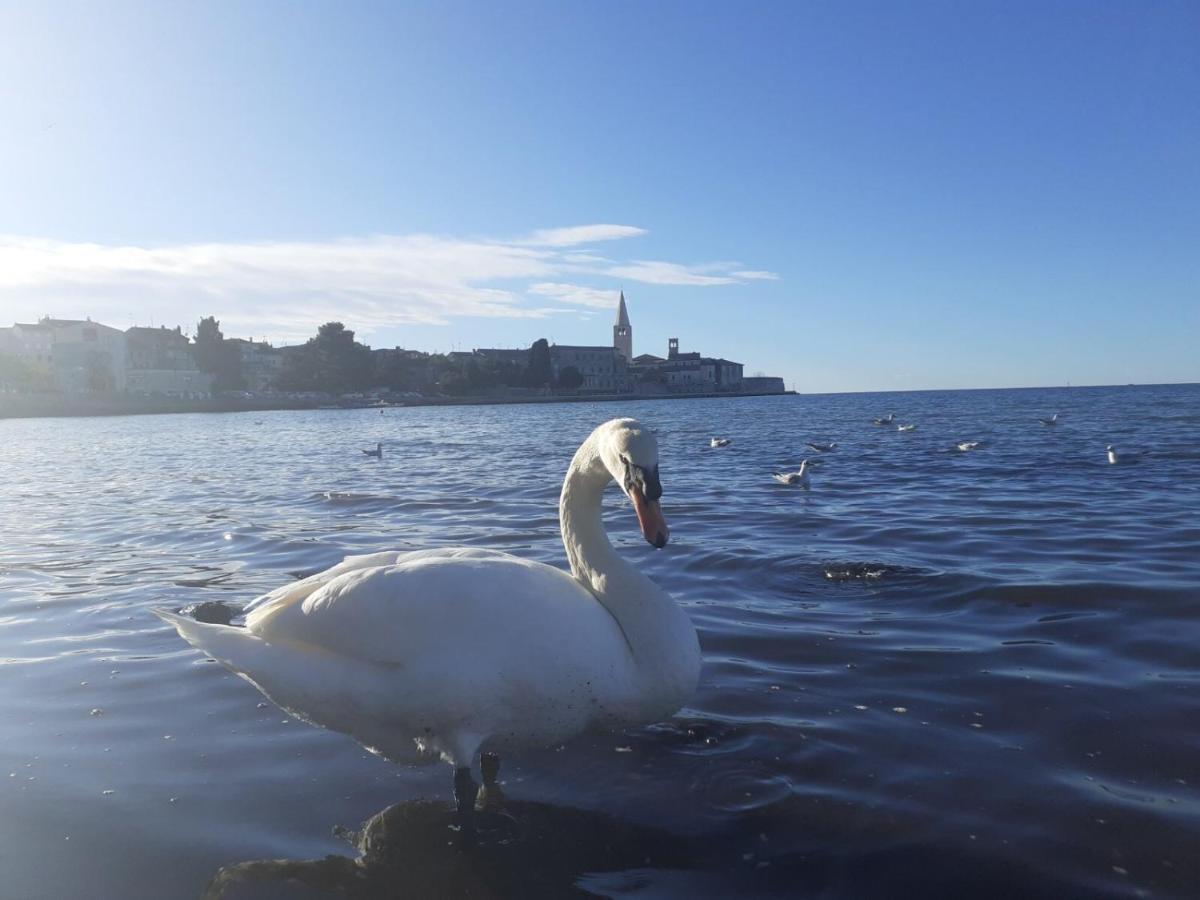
<point>539,372</point>
<point>17,374</point>
<point>570,379</point>
<point>217,358</point>
<point>99,373</point>
<point>210,345</point>
<point>332,362</point>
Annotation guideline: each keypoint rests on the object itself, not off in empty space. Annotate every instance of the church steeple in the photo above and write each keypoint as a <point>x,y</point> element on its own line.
<point>623,331</point>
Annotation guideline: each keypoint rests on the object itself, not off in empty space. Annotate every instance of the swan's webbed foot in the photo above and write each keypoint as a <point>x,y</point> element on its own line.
<point>464,800</point>
<point>490,795</point>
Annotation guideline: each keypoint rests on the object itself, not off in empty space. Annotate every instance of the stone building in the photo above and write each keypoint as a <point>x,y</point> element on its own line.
<point>160,362</point>
<point>261,363</point>
<point>85,356</point>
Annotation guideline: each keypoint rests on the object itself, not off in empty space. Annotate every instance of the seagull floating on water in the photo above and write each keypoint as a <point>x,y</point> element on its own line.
<point>1112,455</point>
<point>887,420</point>
<point>377,452</point>
<point>965,446</point>
<point>909,427</point>
<point>821,448</point>
<point>1053,420</point>
<point>800,476</point>
<point>719,442</point>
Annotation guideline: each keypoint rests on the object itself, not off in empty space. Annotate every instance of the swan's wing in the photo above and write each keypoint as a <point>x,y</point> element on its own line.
<point>305,586</point>
<point>301,589</point>
<point>428,601</point>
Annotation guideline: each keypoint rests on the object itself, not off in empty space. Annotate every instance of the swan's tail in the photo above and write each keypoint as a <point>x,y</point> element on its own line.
<point>229,645</point>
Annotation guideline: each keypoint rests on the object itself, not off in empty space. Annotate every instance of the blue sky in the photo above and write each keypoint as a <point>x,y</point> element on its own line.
<point>858,196</point>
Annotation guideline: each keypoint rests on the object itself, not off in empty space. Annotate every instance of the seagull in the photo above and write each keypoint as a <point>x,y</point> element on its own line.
<point>799,477</point>
<point>821,448</point>
<point>1053,420</point>
<point>1112,455</point>
<point>964,446</point>
<point>887,420</point>
<point>377,452</point>
<point>719,442</point>
<point>906,427</point>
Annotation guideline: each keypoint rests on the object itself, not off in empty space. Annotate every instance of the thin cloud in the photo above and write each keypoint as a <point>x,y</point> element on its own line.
<point>288,288</point>
<point>581,234</point>
<point>577,294</point>
<point>702,275</point>
<point>659,272</point>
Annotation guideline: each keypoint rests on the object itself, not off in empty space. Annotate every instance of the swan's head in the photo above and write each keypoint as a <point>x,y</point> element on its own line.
<point>631,456</point>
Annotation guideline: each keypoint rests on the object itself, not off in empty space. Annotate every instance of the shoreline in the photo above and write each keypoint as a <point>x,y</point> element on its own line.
<point>30,406</point>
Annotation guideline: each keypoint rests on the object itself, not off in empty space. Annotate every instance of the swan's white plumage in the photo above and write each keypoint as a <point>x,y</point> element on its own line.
<point>436,652</point>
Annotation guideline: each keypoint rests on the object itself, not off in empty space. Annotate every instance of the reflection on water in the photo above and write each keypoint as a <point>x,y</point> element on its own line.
<point>930,674</point>
<point>522,849</point>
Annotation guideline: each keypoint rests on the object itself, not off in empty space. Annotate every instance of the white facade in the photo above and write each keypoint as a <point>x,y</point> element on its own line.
<point>85,356</point>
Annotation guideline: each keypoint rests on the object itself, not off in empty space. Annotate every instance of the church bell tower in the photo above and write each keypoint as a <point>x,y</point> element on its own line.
<point>623,332</point>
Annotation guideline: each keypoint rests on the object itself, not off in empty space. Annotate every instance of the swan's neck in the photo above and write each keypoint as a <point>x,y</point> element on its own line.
<point>661,638</point>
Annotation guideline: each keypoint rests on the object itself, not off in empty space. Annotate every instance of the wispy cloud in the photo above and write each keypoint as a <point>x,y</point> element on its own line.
<point>707,274</point>
<point>286,288</point>
<point>581,234</point>
<point>755,275</point>
<point>577,294</point>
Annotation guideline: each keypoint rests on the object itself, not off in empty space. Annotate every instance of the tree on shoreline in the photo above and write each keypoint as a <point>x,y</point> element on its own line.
<point>539,372</point>
<point>217,358</point>
<point>331,362</point>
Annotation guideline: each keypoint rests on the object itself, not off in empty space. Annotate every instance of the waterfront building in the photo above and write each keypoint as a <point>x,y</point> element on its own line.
<point>261,363</point>
<point>688,373</point>
<point>85,356</point>
<point>160,362</point>
<point>603,368</point>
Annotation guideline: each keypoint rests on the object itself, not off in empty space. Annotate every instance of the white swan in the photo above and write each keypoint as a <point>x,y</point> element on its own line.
<point>909,427</point>
<point>799,477</point>
<point>719,442</point>
<point>967,446</point>
<point>442,652</point>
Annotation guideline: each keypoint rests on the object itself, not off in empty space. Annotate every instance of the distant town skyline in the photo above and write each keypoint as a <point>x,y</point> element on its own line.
<point>866,197</point>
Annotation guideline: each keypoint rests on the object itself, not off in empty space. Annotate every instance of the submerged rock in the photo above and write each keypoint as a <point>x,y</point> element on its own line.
<point>411,850</point>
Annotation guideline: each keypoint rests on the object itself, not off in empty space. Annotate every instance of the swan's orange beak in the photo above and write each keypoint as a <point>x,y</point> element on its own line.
<point>650,518</point>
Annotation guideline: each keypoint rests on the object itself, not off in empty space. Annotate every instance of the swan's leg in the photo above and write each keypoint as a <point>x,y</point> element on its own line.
<point>489,768</point>
<point>464,799</point>
<point>490,795</point>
